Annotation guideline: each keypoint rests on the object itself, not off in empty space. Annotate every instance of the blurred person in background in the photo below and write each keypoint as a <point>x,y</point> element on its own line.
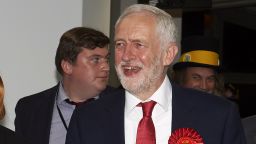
<point>199,65</point>
<point>7,136</point>
<point>82,61</point>
<point>231,92</point>
<point>249,124</point>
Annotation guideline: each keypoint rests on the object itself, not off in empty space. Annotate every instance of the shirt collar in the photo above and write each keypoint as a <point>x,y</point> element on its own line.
<point>62,96</point>
<point>163,96</point>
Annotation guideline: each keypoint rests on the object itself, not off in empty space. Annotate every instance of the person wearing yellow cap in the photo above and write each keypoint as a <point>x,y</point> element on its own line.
<point>199,65</point>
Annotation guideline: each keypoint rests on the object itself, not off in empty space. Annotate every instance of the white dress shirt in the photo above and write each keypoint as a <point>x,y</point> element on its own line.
<point>161,115</point>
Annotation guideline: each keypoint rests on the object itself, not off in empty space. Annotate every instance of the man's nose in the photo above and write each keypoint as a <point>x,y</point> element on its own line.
<point>203,85</point>
<point>104,66</point>
<point>128,54</point>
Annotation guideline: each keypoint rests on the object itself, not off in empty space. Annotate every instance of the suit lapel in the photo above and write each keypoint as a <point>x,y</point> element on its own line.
<point>114,117</point>
<point>44,115</point>
<point>181,108</point>
<point>113,113</point>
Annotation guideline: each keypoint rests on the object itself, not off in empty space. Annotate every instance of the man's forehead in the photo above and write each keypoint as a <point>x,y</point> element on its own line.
<point>201,70</point>
<point>97,51</point>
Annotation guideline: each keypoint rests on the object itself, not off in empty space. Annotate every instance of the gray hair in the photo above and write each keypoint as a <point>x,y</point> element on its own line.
<point>166,28</point>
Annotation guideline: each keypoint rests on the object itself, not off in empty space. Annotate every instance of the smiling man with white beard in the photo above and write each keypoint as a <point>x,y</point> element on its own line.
<point>150,109</point>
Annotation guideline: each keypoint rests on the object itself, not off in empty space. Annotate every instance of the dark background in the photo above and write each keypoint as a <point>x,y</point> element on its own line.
<point>233,23</point>
<point>237,42</point>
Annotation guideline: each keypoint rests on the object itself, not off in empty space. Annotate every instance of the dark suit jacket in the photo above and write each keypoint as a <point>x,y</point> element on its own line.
<point>249,124</point>
<point>7,136</point>
<point>34,115</point>
<point>214,118</point>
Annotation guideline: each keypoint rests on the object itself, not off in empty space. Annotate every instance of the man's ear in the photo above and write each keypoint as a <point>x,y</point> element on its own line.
<point>170,53</point>
<point>66,67</point>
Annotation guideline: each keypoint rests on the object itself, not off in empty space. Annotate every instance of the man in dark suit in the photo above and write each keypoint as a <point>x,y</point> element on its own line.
<point>82,60</point>
<point>151,109</point>
<point>249,124</point>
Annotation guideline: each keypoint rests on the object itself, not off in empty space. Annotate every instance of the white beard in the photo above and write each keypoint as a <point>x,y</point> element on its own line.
<point>143,81</point>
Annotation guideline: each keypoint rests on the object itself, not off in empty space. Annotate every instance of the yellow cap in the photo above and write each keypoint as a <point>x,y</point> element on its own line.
<point>202,57</point>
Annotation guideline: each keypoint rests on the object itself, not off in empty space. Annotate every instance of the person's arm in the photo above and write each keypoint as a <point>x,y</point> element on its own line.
<point>18,119</point>
<point>233,130</point>
<point>249,125</point>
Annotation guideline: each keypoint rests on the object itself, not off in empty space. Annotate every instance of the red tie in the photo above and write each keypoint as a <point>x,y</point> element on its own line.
<point>146,129</point>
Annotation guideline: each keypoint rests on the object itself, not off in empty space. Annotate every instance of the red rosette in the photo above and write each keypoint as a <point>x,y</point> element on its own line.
<point>185,136</point>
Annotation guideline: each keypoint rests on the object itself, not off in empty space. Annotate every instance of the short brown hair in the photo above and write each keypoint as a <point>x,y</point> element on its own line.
<point>74,40</point>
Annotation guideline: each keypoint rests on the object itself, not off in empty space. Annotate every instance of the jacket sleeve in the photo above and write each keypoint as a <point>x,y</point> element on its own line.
<point>18,121</point>
<point>233,130</point>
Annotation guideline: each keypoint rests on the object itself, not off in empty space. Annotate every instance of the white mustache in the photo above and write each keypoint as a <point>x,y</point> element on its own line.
<point>133,64</point>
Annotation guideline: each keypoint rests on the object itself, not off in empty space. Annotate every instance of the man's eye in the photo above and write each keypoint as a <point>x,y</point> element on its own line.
<point>119,45</point>
<point>212,79</point>
<point>196,77</point>
<point>138,45</point>
<point>95,59</point>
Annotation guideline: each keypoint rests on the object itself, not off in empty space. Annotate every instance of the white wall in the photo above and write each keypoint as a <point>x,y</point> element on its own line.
<point>29,35</point>
<point>97,15</point>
